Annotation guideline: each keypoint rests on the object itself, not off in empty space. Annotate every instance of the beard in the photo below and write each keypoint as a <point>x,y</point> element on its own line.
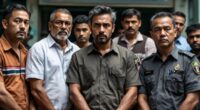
<point>102,39</point>
<point>21,35</point>
<point>82,39</point>
<point>195,47</point>
<point>62,35</point>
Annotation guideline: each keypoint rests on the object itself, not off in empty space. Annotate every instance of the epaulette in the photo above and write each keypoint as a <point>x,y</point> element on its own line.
<point>189,54</point>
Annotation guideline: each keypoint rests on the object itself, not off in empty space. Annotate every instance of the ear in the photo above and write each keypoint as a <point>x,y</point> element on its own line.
<point>113,28</point>
<point>4,23</point>
<point>140,23</point>
<point>49,25</point>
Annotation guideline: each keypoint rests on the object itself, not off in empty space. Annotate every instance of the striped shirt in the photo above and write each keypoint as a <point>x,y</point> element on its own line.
<point>12,72</point>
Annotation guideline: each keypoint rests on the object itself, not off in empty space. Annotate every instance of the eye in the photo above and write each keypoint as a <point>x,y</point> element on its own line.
<point>18,21</point>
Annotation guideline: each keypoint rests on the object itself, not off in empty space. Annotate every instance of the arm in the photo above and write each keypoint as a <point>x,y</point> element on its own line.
<point>7,102</point>
<point>143,103</point>
<point>128,99</point>
<point>190,101</point>
<point>77,98</point>
<point>40,95</point>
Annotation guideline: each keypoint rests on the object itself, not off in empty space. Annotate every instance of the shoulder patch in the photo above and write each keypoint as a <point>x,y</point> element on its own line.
<point>196,67</point>
<point>189,54</point>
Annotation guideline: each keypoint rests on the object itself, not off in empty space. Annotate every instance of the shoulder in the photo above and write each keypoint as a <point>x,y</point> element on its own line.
<point>74,46</point>
<point>146,59</point>
<point>186,53</point>
<point>116,39</point>
<point>39,46</point>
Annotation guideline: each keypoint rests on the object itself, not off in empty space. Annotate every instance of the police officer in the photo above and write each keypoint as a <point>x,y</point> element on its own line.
<point>193,33</point>
<point>170,77</point>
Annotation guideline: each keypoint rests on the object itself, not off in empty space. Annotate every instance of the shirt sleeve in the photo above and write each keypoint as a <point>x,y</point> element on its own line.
<point>192,77</point>
<point>35,63</point>
<point>150,47</point>
<point>132,77</point>
<point>142,89</point>
<point>72,73</point>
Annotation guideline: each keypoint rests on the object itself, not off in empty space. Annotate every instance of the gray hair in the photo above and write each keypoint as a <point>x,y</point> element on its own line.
<point>101,9</point>
<point>161,15</point>
<point>62,10</point>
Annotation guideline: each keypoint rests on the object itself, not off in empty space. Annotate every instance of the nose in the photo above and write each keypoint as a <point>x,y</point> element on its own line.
<point>163,32</point>
<point>130,24</point>
<point>101,29</point>
<point>22,26</point>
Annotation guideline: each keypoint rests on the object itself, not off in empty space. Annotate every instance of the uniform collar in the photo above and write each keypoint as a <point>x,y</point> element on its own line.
<point>93,49</point>
<point>173,54</point>
<point>6,45</point>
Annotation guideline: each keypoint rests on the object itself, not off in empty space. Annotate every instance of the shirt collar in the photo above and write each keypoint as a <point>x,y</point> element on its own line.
<point>52,42</point>
<point>93,49</point>
<point>6,45</point>
<point>138,38</point>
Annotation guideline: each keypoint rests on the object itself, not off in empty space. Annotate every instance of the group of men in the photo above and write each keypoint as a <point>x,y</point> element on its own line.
<point>105,74</point>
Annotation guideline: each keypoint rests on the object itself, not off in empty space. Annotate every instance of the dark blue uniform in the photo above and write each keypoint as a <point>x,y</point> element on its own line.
<point>167,83</point>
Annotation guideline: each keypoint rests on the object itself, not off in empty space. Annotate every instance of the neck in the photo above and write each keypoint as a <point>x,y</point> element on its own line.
<point>165,52</point>
<point>82,44</point>
<point>104,48</point>
<point>13,42</point>
<point>62,43</point>
<point>131,37</point>
<point>197,53</point>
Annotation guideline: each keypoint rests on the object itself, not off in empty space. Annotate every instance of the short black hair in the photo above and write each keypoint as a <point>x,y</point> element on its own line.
<point>13,7</point>
<point>81,19</point>
<point>102,9</point>
<point>192,28</point>
<point>129,13</point>
<point>179,13</point>
<point>161,15</point>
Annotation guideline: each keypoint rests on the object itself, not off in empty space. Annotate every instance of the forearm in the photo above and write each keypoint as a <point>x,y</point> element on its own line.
<point>79,101</point>
<point>143,103</point>
<point>7,102</point>
<point>129,99</point>
<point>190,102</point>
<point>42,100</point>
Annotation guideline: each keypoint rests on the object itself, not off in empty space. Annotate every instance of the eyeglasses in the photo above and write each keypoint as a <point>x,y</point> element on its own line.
<point>59,23</point>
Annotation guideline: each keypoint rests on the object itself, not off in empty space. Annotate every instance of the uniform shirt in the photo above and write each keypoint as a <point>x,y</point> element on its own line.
<point>12,72</point>
<point>181,43</point>
<point>149,45</point>
<point>47,61</point>
<point>167,83</point>
<point>103,79</point>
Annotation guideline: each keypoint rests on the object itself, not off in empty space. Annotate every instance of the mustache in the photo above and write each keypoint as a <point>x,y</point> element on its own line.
<point>101,35</point>
<point>62,32</point>
<point>21,32</point>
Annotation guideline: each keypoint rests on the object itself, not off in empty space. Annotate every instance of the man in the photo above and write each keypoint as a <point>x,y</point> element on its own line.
<point>132,39</point>
<point>13,88</point>
<point>48,61</point>
<point>171,76</point>
<point>193,38</point>
<point>82,31</point>
<point>103,76</point>
<point>180,42</point>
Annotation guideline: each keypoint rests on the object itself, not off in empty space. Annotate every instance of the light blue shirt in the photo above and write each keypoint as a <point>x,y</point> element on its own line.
<point>181,43</point>
<point>47,61</point>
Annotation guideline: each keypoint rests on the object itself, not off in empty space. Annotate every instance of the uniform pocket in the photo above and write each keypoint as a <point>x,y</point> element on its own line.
<point>174,83</point>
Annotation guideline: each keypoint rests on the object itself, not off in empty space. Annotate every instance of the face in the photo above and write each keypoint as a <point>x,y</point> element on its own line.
<point>179,21</point>
<point>82,32</point>
<point>17,25</point>
<point>194,40</point>
<point>131,25</point>
<point>61,25</point>
<point>163,32</point>
<point>102,28</point>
